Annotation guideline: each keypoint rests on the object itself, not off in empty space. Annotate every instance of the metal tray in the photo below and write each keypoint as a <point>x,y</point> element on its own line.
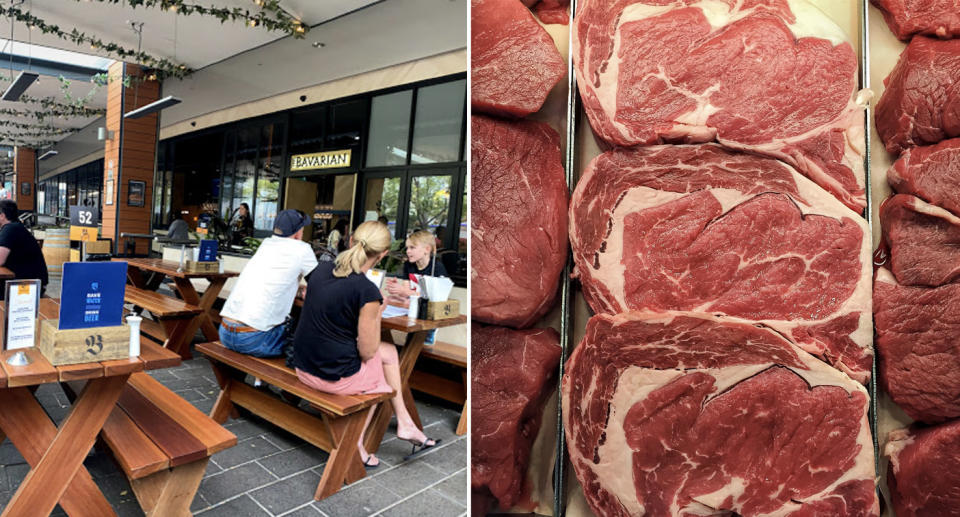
<point>576,128</point>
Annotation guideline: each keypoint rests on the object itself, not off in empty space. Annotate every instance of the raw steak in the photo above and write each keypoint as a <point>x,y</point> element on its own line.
<point>514,62</point>
<point>905,18</point>
<point>924,241</point>
<point>519,221</point>
<point>918,346</point>
<point>921,103</point>
<point>554,11</point>
<point>772,77</point>
<point>685,414</point>
<point>701,228</point>
<point>931,173</point>
<point>513,372</point>
<point>924,471</point>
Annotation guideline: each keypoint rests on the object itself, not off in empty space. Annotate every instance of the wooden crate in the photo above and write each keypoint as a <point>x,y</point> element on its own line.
<point>73,346</point>
<point>442,310</point>
<point>191,266</point>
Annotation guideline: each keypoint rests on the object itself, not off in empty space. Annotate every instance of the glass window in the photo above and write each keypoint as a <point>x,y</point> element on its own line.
<point>438,124</point>
<point>345,126</point>
<point>429,202</point>
<point>268,178</point>
<point>41,199</point>
<point>227,190</point>
<point>247,141</point>
<point>306,131</point>
<point>389,129</point>
<point>383,198</point>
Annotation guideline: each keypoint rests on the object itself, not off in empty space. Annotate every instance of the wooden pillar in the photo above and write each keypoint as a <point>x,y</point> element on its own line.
<point>129,156</point>
<point>24,173</point>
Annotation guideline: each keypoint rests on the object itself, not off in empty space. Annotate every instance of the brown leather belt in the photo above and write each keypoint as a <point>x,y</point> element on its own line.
<point>237,326</point>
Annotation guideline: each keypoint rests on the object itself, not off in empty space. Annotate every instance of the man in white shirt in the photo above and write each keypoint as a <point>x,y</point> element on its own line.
<point>253,317</point>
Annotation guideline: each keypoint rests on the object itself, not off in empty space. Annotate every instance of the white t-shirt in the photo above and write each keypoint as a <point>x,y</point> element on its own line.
<point>264,292</point>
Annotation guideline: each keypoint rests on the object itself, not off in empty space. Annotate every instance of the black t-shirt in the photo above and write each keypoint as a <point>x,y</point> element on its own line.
<point>410,268</point>
<point>325,344</point>
<point>25,258</point>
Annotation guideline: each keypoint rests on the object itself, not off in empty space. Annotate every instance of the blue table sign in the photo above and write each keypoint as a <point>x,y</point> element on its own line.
<point>208,250</point>
<point>91,294</point>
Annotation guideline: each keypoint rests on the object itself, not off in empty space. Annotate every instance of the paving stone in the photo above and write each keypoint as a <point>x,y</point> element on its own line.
<point>424,504</point>
<point>295,460</point>
<point>454,487</point>
<point>15,474</point>
<point>287,494</point>
<point>448,458</point>
<point>245,451</point>
<point>189,383</point>
<point>364,497</point>
<point>441,431</point>
<point>9,455</point>
<point>198,504</point>
<point>306,511</point>
<point>116,489</point>
<point>247,428</point>
<point>239,507</point>
<point>409,477</point>
<point>205,406</point>
<point>283,439</point>
<point>163,376</point>
<point>230,483</point>
<point>101,465</point>
<point>190,395</point>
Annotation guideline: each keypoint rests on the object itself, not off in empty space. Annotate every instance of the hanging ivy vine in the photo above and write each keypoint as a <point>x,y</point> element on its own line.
<point>271,16</point>
<point>39,128</point>
<point>162,67</point>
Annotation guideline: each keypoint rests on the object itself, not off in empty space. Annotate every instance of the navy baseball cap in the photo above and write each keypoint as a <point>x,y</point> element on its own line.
<point>288,222</point>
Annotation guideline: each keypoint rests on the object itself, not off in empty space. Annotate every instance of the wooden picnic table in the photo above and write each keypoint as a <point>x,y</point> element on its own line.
<point>56,456</point>
<point>184,286</point>
<point>6,274</point>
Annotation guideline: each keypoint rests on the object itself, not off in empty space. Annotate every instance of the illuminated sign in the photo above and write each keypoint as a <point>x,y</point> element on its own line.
<point>325,160</point>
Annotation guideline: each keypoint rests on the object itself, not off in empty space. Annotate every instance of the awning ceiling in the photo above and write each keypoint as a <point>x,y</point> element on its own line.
<point>196,41</point>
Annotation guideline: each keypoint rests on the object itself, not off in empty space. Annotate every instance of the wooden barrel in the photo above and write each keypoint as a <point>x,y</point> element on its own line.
<point>56,251</point>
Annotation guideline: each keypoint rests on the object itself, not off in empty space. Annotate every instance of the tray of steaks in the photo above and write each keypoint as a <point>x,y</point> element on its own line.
<point>753,324</point>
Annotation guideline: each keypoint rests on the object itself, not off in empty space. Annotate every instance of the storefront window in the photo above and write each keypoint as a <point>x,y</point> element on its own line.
<point>383,200</point>
<point>245,171</point>
<point>389,129</point>
<point>268,179</point>
<point>226,192</point>
<point>439,121</point>
<point>345,126</point>
<point>429,203</point>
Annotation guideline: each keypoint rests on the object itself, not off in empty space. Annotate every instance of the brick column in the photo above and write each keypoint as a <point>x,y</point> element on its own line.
<point>24,171</point>
<point>130,155</point>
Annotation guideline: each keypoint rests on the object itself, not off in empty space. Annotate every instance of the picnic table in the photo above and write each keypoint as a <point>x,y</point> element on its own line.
<point>178,333</point>
<point>56,455</point>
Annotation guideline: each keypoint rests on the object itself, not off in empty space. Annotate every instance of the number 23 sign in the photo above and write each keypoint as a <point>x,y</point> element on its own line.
<point>83,223</point>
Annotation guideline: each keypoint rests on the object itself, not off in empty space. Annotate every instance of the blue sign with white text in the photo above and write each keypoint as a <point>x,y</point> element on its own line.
<point>208,250</point>
<point>91,294</point>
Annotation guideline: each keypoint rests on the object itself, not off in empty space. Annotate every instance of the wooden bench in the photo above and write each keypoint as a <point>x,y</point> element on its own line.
<point>442,387</point>
<point>176,320</point>
<point>337,431</point>
<point>162,443</point>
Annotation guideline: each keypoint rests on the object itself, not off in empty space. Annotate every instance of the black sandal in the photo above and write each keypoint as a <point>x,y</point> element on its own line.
<point>419,447</point>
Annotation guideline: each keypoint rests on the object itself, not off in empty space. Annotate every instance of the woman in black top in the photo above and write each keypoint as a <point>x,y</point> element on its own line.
<point>337,347</point>
<point>242,224</point>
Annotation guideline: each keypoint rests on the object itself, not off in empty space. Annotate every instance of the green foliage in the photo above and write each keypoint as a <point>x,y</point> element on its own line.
<point>397,256</point>
<point>429,201</point>
<point>251,244</point>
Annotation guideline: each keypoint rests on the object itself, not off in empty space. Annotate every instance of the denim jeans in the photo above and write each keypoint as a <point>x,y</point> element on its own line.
<point>258,344</point>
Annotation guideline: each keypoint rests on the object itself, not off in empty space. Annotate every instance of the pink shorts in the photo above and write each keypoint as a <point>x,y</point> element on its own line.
<point>369,379</point>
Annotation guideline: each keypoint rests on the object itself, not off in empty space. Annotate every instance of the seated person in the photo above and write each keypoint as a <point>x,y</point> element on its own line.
<point>260,301</point>
<point>421,247</point>
<point>19,251</point>
<point>178,230</point>
<point>337,347</point>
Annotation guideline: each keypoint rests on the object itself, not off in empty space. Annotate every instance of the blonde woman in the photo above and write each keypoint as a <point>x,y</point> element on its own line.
<point>337,347</point>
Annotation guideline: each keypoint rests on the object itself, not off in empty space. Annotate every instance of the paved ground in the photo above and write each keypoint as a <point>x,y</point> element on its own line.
<point>272,473</point>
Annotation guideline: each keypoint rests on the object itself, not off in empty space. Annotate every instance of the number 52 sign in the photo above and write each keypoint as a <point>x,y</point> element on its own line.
<point>83,223</point>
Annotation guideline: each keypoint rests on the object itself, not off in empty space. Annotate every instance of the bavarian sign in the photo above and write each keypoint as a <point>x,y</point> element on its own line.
<point>325,160</point>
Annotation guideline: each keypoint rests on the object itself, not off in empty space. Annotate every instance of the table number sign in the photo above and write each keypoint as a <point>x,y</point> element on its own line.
<point>20,327</point>
<point>207,252</point>
<point>92,294</point>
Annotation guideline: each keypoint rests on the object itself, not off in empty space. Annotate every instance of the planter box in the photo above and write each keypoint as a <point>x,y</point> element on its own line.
<point>73,346</point>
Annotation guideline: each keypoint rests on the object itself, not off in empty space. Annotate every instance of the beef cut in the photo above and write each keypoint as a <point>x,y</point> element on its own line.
<point>931,173</point>
<point>700,228</point>
<point>519,221</point>
<point>918,346</point>
<point>514,62</point>
<point>940,18</point>
<point>767,76</point>
<point>554,11</point>
<point>921,103</point>
<point>924,470</point>
<point>670,414</point>
<point>513,373</point>
<point>924,241</point>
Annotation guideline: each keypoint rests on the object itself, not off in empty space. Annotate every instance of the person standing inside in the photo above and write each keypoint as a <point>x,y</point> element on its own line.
<point>253,316</point>
<point>19,251</point>
<point>337,347</point>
